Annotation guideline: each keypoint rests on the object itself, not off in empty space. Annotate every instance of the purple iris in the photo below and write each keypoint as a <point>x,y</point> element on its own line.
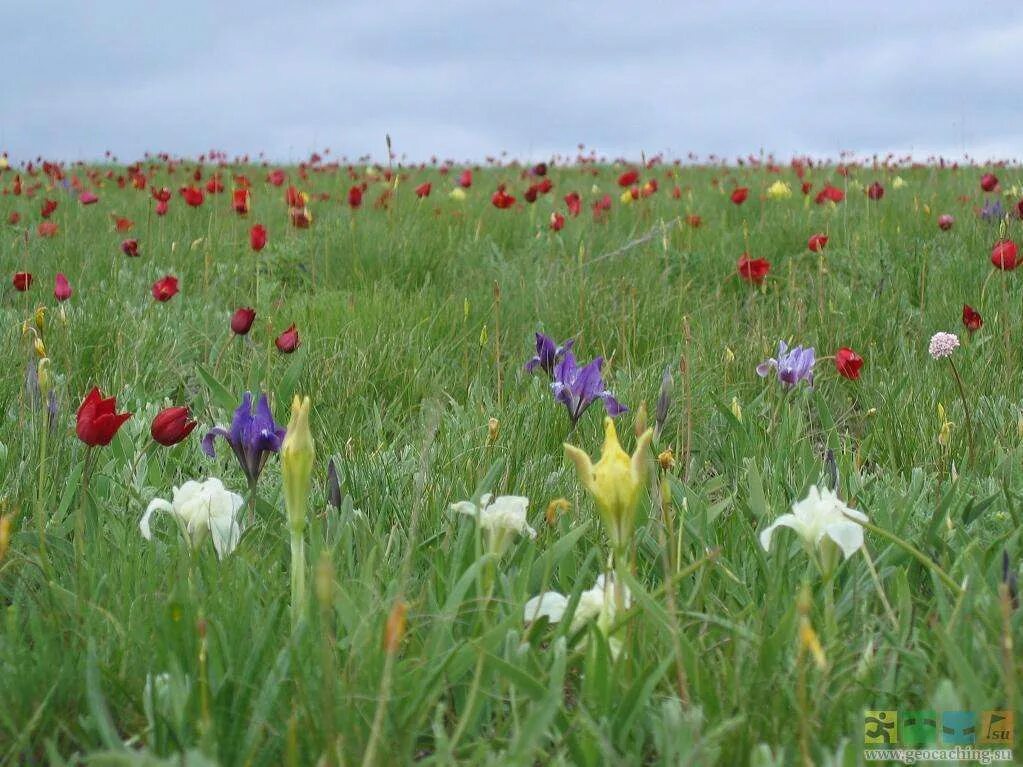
<point>793,365</point>
<point>579,387</point>
<point>992,211</point>
<point>548,354</point>
<point>253,436</point>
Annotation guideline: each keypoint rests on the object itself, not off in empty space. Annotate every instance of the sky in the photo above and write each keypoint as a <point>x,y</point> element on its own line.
<point>467,80</point>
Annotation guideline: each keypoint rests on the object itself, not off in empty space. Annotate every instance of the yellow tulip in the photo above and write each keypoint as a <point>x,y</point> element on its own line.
<point>297,455</point>
<point>779,190</point>
<point>615,481</point>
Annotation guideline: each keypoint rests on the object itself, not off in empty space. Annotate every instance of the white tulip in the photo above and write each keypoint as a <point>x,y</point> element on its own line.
<point>199,507</point>
<point>821,514</point>
<point>498,517</point>
<point>596,604</point>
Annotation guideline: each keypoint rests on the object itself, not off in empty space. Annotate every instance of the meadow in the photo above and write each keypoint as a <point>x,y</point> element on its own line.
<point>377,610</point>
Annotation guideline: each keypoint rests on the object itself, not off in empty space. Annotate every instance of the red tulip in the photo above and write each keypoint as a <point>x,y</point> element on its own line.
<point>753,270</point>
<point>48,207</point>
<point>240,201</point>
<point>165,288</point>
<point>193,196</point>
<point>557,221</point>
<point>423,190</point>
<point>215,185</point>
<point>694,221</point>
<point>574,203</point>
<point>88,198</point>
<point>531,193</point>
<point>1003,255</point>
<point>14,218</point>
<point>97,420</point>
<point>123,224</point>
<point>47,229</point>
<point>171,426</point>
<point>355,197</point>
<point>300,217</point>
<point>130,248</point>
<point>257,237</point>
<point>739,195</point>
<point>817,242</point>
<point>971,318</point>
<point>293,197</point>
<point>945,222</point>
<point>628,178</point>
<point>989,182</point>
<point>163,194</point>
<point>276,177</point>
<point>288,341</point>
<point>829,194</point>
<point>875,191</point>
<point>61,287</point>
<point>848,363</point>
<point>502,200</point>
<point>161,208</point>
<point>242,319</point>
<point>22,281</point>
<point>465,179</point>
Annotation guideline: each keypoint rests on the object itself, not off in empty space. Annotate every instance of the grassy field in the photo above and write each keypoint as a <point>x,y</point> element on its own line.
<point>416,318</point>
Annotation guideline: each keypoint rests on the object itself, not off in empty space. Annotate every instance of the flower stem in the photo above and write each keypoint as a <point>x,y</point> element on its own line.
<point>966,408</point>
<point>297,576</point>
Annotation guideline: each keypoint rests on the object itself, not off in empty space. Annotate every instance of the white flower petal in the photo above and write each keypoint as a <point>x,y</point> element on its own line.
<point>550,604</point>
<point>157,504</point>
<point>847,534</point>
<point>785,520</point>
<point>225,533</point>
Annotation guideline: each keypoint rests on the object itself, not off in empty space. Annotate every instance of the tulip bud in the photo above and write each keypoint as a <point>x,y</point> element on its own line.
<point>333,485</point>
<point>729,356</point>
<point>555,506</point>
<point>394,631</point>
<point>5,535</point>
<point>288,341</point>
<point>639,424</point>
<point>737,409</point>
<point>171,426</point>
<point>40,318</point>
<point>242,319</point>
<point>663,401</point>
<point>297,455</point>
<point>44,378</point>
<point>39,348</point>
<point>493,427</point>
<point>666,460</point>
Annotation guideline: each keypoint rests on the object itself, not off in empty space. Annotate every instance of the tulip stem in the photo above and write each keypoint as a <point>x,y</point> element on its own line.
<point>966,408</point>
<point>297,576</point>
<point>40,520</point>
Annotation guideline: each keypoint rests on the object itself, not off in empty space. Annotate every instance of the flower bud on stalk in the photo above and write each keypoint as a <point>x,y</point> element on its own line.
<point>297,455</point>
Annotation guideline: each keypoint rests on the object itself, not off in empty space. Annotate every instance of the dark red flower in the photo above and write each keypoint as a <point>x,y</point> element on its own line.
<point>161,208</point>
<point>14,218</point>
<point>829,194</point>
<point>240,201</point>
<point>193,195</point>
<point>165,288</point>
<point>163,194</point>
<point>817,242</point>
<point>423,190</point>
<point>242,319</point>
<point>130,248</point>
<point>574,203</point>
<point>171,426</point>
<point>355,197</point>
<point>122,224</point>
<point>753,270</point>
<point>875,191</point>
<point>47,229</point>
<point>628,178</point>
<point>22,281</point>
<point>61,287</point>
<point>465,179</point>
<point>88,198</point>
<point>49,206</point>
<point>945,222</point>
<point>971,318</point>
<point>257,237</point>
<point>531,193</point>
<point>848,363</point>
<point>276,177</point>
<point>694,221</point>
<point>1004,255</point>
<point>97,421</point>
<point>739,195</point>
<point>557,221</point>
<point>501,199</point>
<point>288,341</point>
<point>989,182</point>
<point>293,197</point>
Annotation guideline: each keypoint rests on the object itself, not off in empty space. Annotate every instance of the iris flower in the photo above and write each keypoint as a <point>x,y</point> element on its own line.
<point>548,354</point>
<point>253,436</point>
<point>793,365</point>
<point>579,387</point>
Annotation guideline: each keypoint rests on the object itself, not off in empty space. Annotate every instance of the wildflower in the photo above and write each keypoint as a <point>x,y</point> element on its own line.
<point>753,270</point>
<point>971,318</point>
<point>736,409</point>
<point>199,507</point>
<point>501,199</point>
<point>945,222</point>
<point>992,211</point>
<point>739,195</point>
<point>989,182</point>
<point>97,421</point>
<point>615,481</point>
<point>942,345</point>
<point>829,194</point>
<point>288,341</point>
<point>817,242</point>
<point>628,178</point>
<point>548,354</point>
<point>663,400</point>
<point>423,190</point>
<point>297,455</point>
<point>557,222</point>
<point>779,190</point>
<point>465,180</point>
<point>240,199</point>
<point>130,248</point>
<point>253,436</point>
<point>579,387</point>
<point>499,518</point>
<point>257,237</point>
<point>875,191</point>
<point>898,182</point>
<point>61,287</point>
<point>333,485</point>
<point>1004,255</point>
<point>818,516</point>
<point>355,197</point>
<point>848,363</point>
<point>944,428</point>
<point>793,365</point>
<point>595,604</point>
<point>22,281</point>
<point>242,319</point>
<point>171,426</point>
<point>165,288</point>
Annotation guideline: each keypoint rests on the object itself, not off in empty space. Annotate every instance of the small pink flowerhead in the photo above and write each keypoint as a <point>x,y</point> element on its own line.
<point>942,345</point>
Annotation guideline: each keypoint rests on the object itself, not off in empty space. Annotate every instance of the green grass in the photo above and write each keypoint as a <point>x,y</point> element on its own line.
<point>407,351</point>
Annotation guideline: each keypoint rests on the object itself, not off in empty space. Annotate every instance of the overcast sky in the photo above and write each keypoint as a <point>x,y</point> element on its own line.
<point>469,79</point>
